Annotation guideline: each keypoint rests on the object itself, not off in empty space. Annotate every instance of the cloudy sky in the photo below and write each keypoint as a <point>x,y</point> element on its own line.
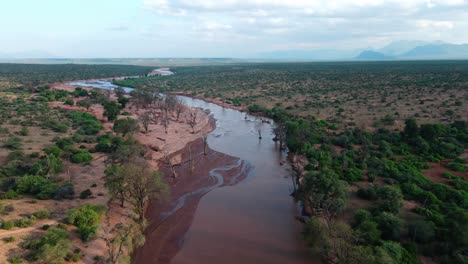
<point>221,28</point>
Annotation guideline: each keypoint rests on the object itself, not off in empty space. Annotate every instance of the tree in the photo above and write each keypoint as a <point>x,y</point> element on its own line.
<point>86,103</point>
<point>390,226</point>
<point>111,110</point>
<point>119,92</point>
<point>325,192</point>
<point>115,183</point>
<point>389,199</point>
<point>280,132</point>
<point>422,231</point>
<point>145,120</point>
<point>121,240</point>
<point>126,126</point>
<point>193,120</point>
<point>141,185</point>
<point>179,107</point>
<point>411,128</point>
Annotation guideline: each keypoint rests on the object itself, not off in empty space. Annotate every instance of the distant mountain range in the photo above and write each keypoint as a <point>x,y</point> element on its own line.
<point>398,50</point>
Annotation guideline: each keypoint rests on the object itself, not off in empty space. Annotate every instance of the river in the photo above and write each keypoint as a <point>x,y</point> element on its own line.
<point>250,222</point>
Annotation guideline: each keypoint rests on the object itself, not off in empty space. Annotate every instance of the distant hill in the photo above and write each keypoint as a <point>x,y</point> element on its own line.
<point>443,51</point>
<point>303,55</point>
<point>372,55</point>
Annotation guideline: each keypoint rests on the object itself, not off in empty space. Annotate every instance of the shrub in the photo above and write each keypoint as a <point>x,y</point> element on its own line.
<point>51,248</point>
<point>25,222</point>
<point>66,191</point>
<point>457,166</point>
<point>42,214</point>
<point>81,156</point>
<point>8,239</point>
<point>23,132</point>
<point>13,143</point>
<point>85,194</point>
<point>7,225</point>
<point>69,101</point>
<point>86,218</point>
<point>390,226</point>
<point>39,186</point>
<point>422,231</point>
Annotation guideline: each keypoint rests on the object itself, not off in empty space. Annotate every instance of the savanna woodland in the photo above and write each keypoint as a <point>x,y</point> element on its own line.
<point>378,151</point>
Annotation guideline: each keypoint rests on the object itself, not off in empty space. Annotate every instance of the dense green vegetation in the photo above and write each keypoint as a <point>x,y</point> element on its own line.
<point>37,74</point>
<point>388,166</point>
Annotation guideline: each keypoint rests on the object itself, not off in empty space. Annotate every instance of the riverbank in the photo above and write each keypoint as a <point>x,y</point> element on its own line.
<point>158,144</point>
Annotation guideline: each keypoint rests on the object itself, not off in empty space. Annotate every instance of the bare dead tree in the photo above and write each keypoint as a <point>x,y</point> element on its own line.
<point>192,163</point>
<point>167,158</point>
<point>193,120</point>
<point>205,144</point>
<point>179,108</point>
<point>165,122</point>
<point>258,128</point>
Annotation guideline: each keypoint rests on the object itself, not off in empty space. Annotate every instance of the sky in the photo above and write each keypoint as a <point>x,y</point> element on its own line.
<point>221,28</point>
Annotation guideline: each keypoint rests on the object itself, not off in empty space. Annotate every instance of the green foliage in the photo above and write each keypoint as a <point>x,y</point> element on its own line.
<point>69,101</point>
<point>126,126</point>
<point>422,231</point>
<point>86,218</point>
<point>38,186</point>
<point>456,166</point>
<point>390,226</point>
<point>42,214</point>
<point>81,156</point>
<point>13,143</point>
<point>85,194</point>
<point>87,123</point>
<point>111,110</point>
<point>51,248</point>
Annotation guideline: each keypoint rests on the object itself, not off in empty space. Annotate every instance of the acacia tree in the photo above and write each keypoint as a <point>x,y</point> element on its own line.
<point>111,110</point>
<point>325,193</point>
<point>141,185</point>
<point>145,120</point>
<point>115,183</point>
<point>126,126</point>
<point>86,103</point>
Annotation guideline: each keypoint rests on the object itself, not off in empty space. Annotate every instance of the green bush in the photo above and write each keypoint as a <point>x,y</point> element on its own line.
<point>42,214</point>
<point>13,143</point>
<point>51,248</point>
<point>25,222</point>
<point>7,225</point>
<point>85,194</point>
<point>69,101</point>
<point>86,218</point>
<point>81,156</point>
<point>457,166</point>
<point>390,226</point>
<point>8,239</point>
<point>39,186</point>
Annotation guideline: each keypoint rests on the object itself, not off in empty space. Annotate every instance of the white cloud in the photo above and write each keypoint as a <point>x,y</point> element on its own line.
<point>435,24</point>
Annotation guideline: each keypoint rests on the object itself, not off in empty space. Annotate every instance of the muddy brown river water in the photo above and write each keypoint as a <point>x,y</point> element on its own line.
<point>249,222</point>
